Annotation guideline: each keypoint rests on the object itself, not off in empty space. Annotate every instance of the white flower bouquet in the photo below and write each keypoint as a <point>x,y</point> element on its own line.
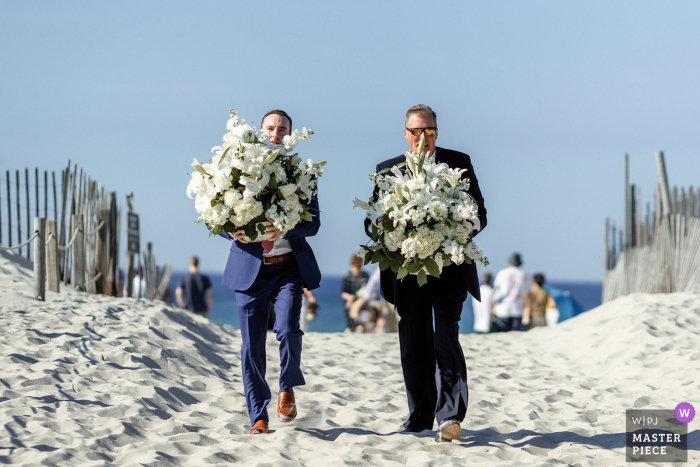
<point>251,182</point>
<point>422,219</point>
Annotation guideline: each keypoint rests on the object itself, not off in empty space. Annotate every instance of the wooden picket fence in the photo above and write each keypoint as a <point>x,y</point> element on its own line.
<point>79,248</point>
<point>659,253</point>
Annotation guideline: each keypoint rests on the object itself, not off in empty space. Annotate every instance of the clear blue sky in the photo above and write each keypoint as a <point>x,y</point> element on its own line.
<point>546,96</point>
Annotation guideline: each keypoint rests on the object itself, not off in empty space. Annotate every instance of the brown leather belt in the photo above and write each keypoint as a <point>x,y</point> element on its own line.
<point>277,259</point>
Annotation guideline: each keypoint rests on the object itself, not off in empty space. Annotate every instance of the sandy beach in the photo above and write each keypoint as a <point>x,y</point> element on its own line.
<point>93,380</point>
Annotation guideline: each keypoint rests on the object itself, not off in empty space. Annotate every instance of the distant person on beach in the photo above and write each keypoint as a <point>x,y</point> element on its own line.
<point>387,317</point>
<point>194,290</point>
<point>308,310</point>
<point>138,285</point>
<point>434,369</point>
<point>272,271</point>
<point>537,303</point>
<point>509,291</point>
<point>483,309</point>
<point>353,280</point>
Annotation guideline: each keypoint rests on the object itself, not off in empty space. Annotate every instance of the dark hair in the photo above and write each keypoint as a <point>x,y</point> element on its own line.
<point>281,113</point>
<point>421,109</point>
<point>486,279</point>
<point>515,260</point>
<point>194,261</point>
<point>539,279</point>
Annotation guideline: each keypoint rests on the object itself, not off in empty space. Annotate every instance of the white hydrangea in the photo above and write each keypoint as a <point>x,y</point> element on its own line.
<point>455,250</point>
<point>246,210</point>
<point>393,240</point>
<point>217,215</point>
<point>231,198</point>
<point>437,210</point>
<point>422,244</point>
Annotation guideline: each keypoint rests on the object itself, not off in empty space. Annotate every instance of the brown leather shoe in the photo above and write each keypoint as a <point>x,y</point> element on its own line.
<point>448,430</point>
<point>259,427</point>
<point>286,407</point>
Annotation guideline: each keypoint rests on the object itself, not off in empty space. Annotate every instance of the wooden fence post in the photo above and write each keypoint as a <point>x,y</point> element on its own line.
<point>55,207</point>
<point>40,259</point>
<point>78,260</point>
<point>62,220</point>
<point>112,274</point>
<point>101,251</point>
<point>29,221</point>
<point>46,195</point>
<point>129,273</point>
<point>53,268</point>
<point>36,190</point>
<point>19,220</point>
<point>628,206</point>
<point>663,180</point>
<point>9,210</point>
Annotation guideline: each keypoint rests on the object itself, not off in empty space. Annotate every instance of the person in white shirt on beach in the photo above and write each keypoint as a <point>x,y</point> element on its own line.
<point>482,309</point>
<point>509,291</point>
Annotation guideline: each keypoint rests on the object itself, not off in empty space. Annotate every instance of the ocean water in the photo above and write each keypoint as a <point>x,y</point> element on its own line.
<point>572,299</point>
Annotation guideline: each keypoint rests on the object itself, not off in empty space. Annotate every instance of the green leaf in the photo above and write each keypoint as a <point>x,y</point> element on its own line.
<point>250,231</point>
<point>223,155</point>
<point>217,229</point>
<point>388,225</point>
<point>273,182</point>
<point>307,217</point>
<point>213,202</point>
<point>395,266</point>
<point>384,263</point>
<point>414,267</point>
<point>261,228</point>
<point>422,278</point>
<point>402,273</point>
<point>432,267</point>
<point>396,256</point>
<point>375,234</point>
<point>446,261</point>
<point>377,256</point>
<point>229,227</point>
<point>388,169</point>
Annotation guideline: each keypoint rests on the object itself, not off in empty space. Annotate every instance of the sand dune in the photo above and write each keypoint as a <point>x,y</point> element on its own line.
<point>92,380</point>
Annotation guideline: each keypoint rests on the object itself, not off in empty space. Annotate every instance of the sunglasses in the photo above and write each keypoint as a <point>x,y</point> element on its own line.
<point>430,131</point>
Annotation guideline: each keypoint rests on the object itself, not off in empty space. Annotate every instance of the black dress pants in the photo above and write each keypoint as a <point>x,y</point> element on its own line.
<point>434,369</point>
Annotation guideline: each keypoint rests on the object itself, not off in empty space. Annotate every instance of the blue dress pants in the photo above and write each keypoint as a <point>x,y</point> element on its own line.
<point>282,285</point>
<point>434,369</point>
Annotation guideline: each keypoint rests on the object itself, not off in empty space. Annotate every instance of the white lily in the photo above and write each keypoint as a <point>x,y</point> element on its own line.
<point>252,186</point>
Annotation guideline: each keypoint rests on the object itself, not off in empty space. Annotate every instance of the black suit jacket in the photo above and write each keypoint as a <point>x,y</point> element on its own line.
<point>454,160</point>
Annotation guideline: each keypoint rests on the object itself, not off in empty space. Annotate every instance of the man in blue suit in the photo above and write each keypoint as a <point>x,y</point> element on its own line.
<point>434,369</point>
<point>274,271</point>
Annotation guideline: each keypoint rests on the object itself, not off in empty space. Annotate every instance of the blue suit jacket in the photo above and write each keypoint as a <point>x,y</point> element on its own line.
<point>245,259</point>
<point>453,159</point>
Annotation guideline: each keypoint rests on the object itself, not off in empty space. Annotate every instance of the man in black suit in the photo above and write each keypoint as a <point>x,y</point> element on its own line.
<point>432,394</point>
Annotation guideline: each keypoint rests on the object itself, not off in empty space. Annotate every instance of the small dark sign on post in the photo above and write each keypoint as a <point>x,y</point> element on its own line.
<point>133,233</point>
